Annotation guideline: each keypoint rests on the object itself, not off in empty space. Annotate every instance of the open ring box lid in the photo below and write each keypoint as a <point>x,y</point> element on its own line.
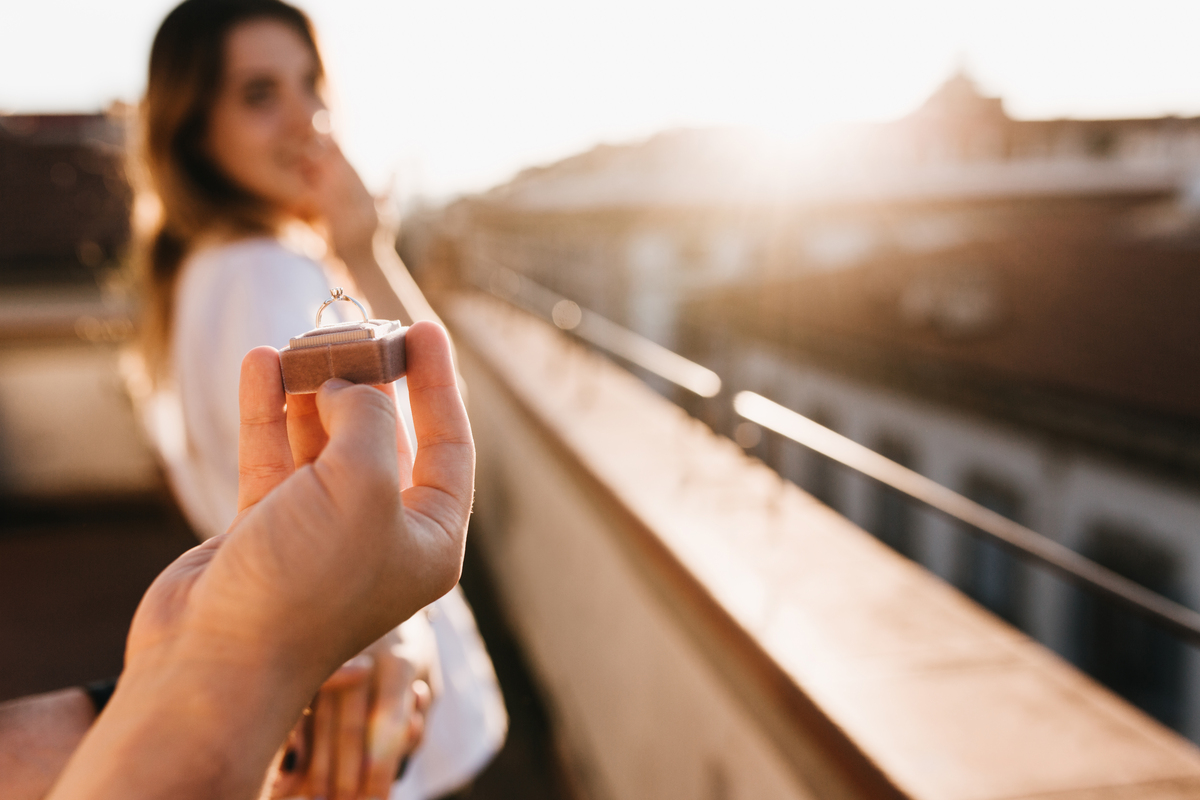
<point>360,352</point>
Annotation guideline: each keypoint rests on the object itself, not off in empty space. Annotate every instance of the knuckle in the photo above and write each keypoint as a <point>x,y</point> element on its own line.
<point>255,471</point>
<point>259,419</point>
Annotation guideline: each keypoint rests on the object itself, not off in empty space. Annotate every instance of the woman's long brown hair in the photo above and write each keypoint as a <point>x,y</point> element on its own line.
<point>173,175</point>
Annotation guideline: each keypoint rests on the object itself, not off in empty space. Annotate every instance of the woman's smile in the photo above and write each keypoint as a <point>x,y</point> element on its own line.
<point>261,131</point>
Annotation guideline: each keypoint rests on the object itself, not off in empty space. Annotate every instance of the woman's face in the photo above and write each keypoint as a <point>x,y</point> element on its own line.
<point>260,131</point>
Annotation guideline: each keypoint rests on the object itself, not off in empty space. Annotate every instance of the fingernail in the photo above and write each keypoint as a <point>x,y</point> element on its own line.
<point>289,761</point>
<point>333,385</point>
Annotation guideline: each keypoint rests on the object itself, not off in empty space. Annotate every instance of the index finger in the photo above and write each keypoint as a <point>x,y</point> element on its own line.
<point>264,455</point>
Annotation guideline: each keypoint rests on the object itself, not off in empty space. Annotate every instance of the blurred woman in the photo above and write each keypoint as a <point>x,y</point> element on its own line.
<point>237,172</point>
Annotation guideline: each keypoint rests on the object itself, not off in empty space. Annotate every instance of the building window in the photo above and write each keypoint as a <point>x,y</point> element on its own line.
<point>1101,143</point>
<point>989,574</point>
<point>892,512</point>
<point>1131,656</point>
<point>821,480</point>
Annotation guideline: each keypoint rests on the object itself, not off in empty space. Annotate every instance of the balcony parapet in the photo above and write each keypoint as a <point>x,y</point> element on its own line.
<point>57,314</point>
<point>707,629</point>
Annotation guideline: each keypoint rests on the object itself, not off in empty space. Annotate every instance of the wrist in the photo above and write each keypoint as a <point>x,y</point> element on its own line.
<point>229,668</point>
<point>211,723</point>
<point>360,249</point>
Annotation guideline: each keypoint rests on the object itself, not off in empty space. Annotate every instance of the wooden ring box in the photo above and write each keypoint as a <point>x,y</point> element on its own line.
<point>371,352</point>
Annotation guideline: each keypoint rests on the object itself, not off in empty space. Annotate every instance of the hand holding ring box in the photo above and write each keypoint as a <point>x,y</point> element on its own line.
<point>371,351</point>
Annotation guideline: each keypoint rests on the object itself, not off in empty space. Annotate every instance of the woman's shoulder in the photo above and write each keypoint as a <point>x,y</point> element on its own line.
<point>259,264</point>
<point>250,287</point>
<point>254,253</point>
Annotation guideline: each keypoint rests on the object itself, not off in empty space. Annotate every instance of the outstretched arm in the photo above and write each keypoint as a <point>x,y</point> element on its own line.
<point>233,639</point>
<point>365,243</point>
<point>37,736</point>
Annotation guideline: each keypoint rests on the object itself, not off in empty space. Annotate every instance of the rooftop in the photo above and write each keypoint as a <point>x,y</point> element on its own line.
<point>64,211</point>
<point>959,145</point>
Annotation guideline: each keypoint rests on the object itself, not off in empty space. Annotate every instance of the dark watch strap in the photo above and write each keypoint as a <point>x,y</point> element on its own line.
<point>99,692</point>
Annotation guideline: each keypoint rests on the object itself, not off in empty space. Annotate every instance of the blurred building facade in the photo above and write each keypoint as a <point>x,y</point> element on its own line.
<point>64,212</point>
<point>66,428</point>
<point>1006,306</point>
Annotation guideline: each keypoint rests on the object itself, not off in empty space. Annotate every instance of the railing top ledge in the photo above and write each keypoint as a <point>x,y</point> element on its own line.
<point>942,698</point>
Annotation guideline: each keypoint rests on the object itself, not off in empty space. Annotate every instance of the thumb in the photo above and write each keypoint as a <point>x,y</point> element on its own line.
<point>360,458</point>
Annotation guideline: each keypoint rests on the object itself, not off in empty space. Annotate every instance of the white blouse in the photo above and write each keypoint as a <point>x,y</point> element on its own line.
<point>230,299</point>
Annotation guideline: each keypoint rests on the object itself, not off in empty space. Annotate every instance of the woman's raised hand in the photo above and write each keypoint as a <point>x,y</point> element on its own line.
<point>342,202</point>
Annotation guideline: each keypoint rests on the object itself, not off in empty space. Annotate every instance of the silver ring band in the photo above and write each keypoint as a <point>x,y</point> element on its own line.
<point>336,294</point>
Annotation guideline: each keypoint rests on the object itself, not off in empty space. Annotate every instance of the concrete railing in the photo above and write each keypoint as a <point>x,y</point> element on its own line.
<point>706,630</point>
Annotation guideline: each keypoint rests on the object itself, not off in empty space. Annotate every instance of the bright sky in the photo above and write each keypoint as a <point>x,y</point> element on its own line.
<point>447,96</point>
